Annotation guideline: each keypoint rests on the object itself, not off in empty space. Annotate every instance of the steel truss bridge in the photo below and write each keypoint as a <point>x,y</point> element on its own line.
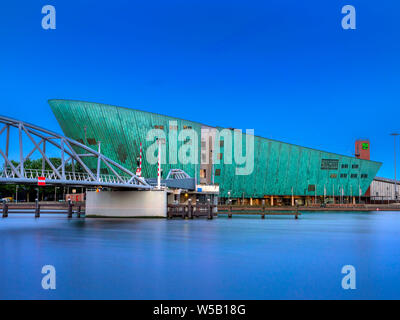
<point>72,155</point>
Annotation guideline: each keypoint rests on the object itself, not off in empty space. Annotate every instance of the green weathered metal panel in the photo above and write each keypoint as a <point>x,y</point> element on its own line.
<point>278,167</point>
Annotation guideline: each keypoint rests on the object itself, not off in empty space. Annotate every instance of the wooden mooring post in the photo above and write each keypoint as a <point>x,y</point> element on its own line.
<point>209,211</point>
<point>69,209</point>
<point>261,211</point>
<point>230,212</point>
<point>37,208</point>
<point>5,209</point>
<point>190,210</point>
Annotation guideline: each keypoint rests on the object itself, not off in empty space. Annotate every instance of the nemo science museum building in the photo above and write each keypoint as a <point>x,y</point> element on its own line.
<point>245,168</point>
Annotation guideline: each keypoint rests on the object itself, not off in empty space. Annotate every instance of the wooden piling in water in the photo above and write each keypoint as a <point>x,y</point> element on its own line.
<point>37,209</point>
<point>209,209</point>
<point>69,209</point>
<point>190,208</point>
<point>5,209</point>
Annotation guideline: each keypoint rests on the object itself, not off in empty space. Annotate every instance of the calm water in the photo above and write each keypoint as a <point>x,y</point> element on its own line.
<point>239,258</point>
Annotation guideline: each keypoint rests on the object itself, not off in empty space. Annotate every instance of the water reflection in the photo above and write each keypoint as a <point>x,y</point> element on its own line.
<point>239,258</point>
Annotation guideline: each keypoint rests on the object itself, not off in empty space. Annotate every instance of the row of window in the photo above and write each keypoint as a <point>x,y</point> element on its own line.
<point>171,127</point>
<point>353,166</point>
<point>353,175</point>
<point>333,175</point>
<point>203,173</point>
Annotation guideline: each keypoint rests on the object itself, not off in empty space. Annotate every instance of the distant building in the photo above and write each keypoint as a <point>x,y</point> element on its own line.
<point>282,172</point>
<point>383,190</point>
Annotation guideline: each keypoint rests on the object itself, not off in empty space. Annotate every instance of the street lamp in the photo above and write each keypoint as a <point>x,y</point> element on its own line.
<point>395,180</point>
<point>159,142</point>
<point>55,193</point>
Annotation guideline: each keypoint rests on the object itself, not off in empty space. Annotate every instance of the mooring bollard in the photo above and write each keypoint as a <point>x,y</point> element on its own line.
<point>210,215</point>
<point>190,208</point>
<point>79,211</point>
<point>230,212</point>
<point>69,208</point>
<point>184,211</point>
<point>5,209</point>
<point>169,210</point>
<point>37,209</point>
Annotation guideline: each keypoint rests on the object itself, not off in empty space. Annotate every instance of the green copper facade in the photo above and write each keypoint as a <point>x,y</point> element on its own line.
<point>279,168</point>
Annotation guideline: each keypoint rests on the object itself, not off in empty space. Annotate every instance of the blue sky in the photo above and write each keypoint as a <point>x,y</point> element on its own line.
<point>284,68</point>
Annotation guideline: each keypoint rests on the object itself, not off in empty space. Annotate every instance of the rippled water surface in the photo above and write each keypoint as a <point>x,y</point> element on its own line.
<point>239,258</point>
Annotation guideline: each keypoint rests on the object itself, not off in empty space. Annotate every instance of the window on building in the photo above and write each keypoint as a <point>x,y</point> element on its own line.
<point>219,156</point>
<point>345,166</point>
<point>217,172</point>
<point>354,166</point>
<point>354,175</point>
<point>159,127</point>
<point>311,187</point>
<point>173,127</point>
<point>187,127</point>
<point>203,144</point>
<point>364,176</point>
<point>221,143</point>
<point>343,175</point>
<point>80,141</point>
<point>329,164</point>
<point>333,175</point>
<point>203,173</point>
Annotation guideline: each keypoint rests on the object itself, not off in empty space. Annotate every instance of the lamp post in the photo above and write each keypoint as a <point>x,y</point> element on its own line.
<point>55,193</point>
<point>160,142</point>
<point>394,150</point>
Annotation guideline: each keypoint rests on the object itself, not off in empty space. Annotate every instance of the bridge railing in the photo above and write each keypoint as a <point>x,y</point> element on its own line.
<point>35,174</point>
<point>72,154</point>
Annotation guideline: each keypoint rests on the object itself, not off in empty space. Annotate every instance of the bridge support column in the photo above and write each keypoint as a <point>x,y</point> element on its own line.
<point>124,204</point>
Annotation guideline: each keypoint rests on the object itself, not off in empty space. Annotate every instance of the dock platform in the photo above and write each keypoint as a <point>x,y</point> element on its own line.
<point>68,208</point>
